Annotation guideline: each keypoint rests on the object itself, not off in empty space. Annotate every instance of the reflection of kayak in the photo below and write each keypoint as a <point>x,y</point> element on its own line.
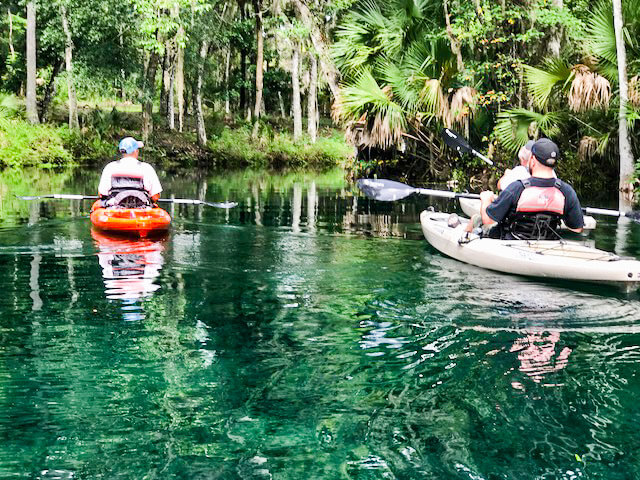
<point>133,221</point>
<point>471,206</point>
<point>129,267</point>
<point>542,258</point>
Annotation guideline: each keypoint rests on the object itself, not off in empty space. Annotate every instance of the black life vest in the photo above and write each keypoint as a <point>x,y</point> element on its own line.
<point>538,212</point>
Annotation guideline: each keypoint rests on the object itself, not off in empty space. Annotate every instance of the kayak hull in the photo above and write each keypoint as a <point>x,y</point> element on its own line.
<point>557,259</point>
<point>139,222</point>
<point>471,206</point>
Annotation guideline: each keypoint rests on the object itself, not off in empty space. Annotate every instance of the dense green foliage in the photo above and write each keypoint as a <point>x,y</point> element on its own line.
<point>500,72</point>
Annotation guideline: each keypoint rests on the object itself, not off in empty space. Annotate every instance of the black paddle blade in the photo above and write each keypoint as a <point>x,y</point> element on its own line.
<point>633,215</point>
<point>384,190</point>
<point>455,141</point>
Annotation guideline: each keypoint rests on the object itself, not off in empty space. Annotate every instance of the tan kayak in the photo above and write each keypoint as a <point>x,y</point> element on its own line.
<point>471,206</point>
<point>544,258</point>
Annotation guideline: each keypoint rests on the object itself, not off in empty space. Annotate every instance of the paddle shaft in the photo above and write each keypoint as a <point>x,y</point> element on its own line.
<point>65,196</point>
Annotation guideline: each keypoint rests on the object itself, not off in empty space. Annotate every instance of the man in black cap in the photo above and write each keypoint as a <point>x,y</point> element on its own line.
<point>532,208</point>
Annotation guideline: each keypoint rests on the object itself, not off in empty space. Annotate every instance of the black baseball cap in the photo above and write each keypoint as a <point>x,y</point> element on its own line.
<point>546,152</point>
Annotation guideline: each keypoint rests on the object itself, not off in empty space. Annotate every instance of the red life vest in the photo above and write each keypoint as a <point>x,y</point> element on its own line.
<point>541,199</point>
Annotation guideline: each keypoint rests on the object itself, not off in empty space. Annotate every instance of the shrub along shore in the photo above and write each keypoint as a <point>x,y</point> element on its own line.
<point>230,145</point>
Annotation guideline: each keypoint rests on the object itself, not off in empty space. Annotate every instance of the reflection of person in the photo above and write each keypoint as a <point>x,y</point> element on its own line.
<point>129,267</point>
<point>532,208</point>
<point>128,175</point>
<point>537,355</point>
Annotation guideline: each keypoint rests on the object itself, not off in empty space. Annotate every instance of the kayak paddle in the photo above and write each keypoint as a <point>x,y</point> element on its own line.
<point>187,201</point>
<point>459,144</point>
<point>389,191</point>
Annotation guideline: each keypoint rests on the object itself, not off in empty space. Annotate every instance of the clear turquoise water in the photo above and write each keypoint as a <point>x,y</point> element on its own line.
<point>308,333</point>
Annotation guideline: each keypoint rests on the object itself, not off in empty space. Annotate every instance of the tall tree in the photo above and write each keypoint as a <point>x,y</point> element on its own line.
<point>202,132</point>
<point>257,7</point>
<point>320,44</point>
<point>68,58</point>
<point>32,105</point>
<point>626,157</point>
<point>312,126</point>
<point>295,97</point>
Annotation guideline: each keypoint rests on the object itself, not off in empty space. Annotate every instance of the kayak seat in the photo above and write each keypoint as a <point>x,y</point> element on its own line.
<point>129,199</point>
<point>540,226</point>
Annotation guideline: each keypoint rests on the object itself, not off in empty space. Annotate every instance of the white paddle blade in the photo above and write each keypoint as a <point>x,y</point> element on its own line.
<point>221,204</point>
<point>384,190</point>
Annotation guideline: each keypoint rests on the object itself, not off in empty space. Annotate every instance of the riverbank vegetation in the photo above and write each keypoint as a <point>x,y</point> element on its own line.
<point>300,84</point>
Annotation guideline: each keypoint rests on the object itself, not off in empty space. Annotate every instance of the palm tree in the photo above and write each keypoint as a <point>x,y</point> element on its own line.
<point>583,92</point>
<point>400,75</point>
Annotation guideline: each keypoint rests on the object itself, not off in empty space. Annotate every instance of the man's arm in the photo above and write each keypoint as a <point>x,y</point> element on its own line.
<point>486,198</point>
<point>573,218</point>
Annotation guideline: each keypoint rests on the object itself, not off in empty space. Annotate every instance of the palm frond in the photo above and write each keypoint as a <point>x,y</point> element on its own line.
<point>601,35</point>
<point>542,82</point>
<point>433,103</point>
<point>513,126</point>
<point>385,119</point>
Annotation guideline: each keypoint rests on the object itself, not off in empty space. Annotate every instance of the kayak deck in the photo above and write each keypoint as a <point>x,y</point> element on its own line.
<point>140,222</point>
<point>559,259</point>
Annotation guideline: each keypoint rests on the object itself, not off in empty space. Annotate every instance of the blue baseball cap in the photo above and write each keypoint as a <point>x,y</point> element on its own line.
<point>129,145</point>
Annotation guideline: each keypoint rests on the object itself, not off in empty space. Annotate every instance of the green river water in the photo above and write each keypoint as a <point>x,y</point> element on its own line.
<point>309,333</point>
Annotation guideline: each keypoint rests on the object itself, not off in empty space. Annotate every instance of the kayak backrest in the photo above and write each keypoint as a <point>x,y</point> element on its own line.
<point>130,199</point>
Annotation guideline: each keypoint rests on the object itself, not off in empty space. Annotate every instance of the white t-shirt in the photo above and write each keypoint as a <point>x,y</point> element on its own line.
<point>517,173</point>
<point>129,166</point>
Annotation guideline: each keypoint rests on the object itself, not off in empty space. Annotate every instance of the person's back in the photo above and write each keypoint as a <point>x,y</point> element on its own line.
<point>532,208</point>
<point>128,177</point>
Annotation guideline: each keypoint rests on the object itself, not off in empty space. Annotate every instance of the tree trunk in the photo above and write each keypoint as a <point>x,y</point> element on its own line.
<point>320,44</point>
<point>257,6</point>
<point>149,90</point>
<point>165,80</point>
<point>180,86</point>
<point>227,70</point>
<point>312,126</point>
<point>295,97</point>
<point>171,117</point>
<point>281,103</point>
<point>455,47</point>
<point>49,93</point>
<point>626,156</point>
<point>12,52</point>
<point>31,103</point>
<point>68,59</point>
<point>122,74</point>
<point>555,42</point>
<point>243,64</point>
<point>202,133</point>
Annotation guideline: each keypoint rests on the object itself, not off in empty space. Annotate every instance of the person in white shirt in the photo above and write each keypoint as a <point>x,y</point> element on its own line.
<point>129,173</point>
<point>520,172</point>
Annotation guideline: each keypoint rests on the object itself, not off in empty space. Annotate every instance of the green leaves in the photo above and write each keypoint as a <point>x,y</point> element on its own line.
<point>542,82</point>
<point>514,126</point>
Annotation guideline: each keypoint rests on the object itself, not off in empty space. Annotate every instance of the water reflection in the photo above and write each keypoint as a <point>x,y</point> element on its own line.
<point>129,267</point>
<point>539,356</point>
<point>300,339</point>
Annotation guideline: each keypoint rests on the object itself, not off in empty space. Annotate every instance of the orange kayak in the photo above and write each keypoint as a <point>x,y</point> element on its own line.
<point>132,221</point>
